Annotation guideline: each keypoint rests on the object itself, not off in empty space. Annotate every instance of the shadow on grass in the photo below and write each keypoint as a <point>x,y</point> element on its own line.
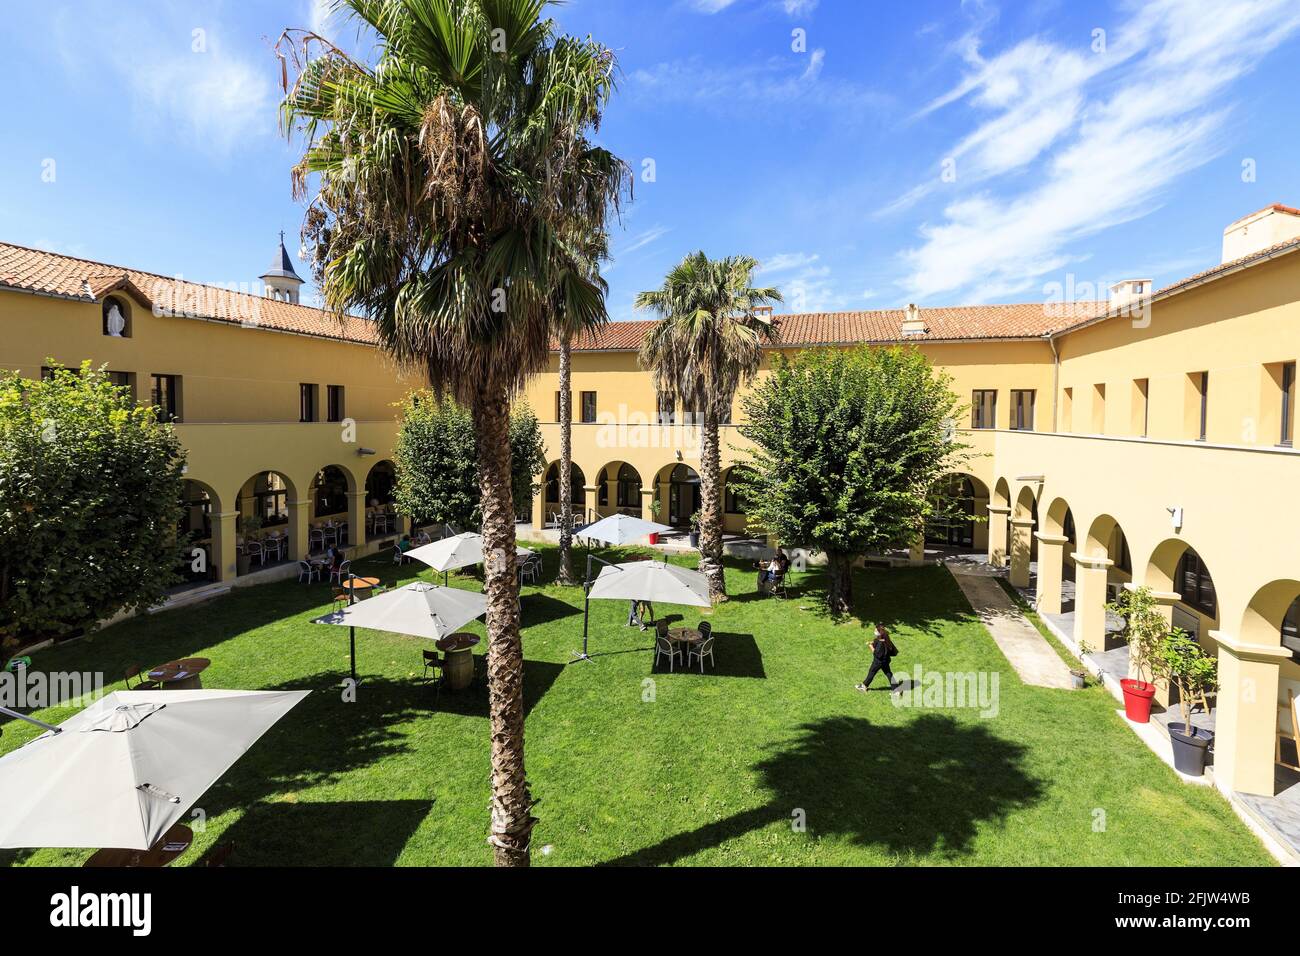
<point>473,700</point>
<point>538,608</point>
<point>348,833</point>
<point>923,788</point>
<point>734,655</point>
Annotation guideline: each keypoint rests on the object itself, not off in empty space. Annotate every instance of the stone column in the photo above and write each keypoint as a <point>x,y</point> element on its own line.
<point>299,518</point>
<point>1245,734</point>
<point>589,493</point>
<point>1051,568</point>
<point>539,509</point>
<point>998,535</point>
<point>980,533</point>
<point>1090,600</point>
<point>916,553</point>
<point>664,499</point>
<point>357,521</point>
<point>225,529</point>
<point>1022,547</point>
<point>611,494</point>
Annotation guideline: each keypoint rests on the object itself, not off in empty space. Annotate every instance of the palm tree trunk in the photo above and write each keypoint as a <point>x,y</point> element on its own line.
<point>711,509</point>
<point>840,569</point>
<point>512,819</point>
<point>566,465</point>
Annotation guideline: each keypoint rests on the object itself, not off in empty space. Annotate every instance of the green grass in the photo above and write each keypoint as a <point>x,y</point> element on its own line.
<point>635,766</point>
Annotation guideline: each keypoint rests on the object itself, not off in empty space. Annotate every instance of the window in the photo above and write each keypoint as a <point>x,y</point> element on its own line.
<point>1205,404</point>
<point>116,318</point>
<point>1022,409</point>
<point>1099,409</point>
<point>165,397</point>
<point>558,416</point>
<point>334,403</point>
<point>732,503</point>
<point>306,403</point>
<point>588,407</point>
<point>1194,584</point>
<point>984,408</point>
<point>1141,406</point>
<point>1067,410</point>
<point>629,488</point>
<point>1288,404</point>
<point>667,410</point>
<point>1198,406</point>
<point>124,380</point>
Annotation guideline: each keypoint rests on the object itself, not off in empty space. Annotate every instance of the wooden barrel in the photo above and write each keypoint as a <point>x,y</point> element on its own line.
<point>459,669</point>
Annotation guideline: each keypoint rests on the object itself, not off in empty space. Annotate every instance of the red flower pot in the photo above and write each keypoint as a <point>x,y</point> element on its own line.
<point>654,538</point>
<point>1137,699</point>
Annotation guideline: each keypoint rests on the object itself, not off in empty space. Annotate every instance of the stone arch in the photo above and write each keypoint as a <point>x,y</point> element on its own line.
<point>618,486</point>
<point>1271,609</point>
<point>960,527</point>
<point>678,491</point>
<point>267,525</point>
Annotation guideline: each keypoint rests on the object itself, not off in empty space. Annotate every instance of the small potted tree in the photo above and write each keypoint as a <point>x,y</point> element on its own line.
<point>249,525</point>
<point>1079,675</point>
<point>1193,674</point>
<point>1144,629</point>
<point>695,530</point>
<point>655,508</point>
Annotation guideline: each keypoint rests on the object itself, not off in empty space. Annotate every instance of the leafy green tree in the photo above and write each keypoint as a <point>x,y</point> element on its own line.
<point>709,341</point>
<point>448,176</point>
<point>848,445</point>
<point>90,504</point>
<point>436,483</point>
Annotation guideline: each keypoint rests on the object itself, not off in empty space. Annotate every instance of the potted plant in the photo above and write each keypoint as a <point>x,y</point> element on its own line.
<point>249,525</point>
<point>1079,675</point>
<point>695,530</point>
<point>655,508</point>
<point>1194,674</point>
<point>1144,629</point>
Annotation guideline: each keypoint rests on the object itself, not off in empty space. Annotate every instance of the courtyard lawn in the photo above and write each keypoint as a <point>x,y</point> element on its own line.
<point>772,759</point>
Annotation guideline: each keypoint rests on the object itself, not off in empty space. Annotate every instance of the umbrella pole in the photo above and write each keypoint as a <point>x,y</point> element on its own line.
<point>586,615</point>
<point>31,720</point>
<point>352,632</point>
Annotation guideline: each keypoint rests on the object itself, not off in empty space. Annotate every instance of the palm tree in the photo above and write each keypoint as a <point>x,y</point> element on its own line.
<point>708,343</point>
<point>590,249</point>
<point>445,176</point>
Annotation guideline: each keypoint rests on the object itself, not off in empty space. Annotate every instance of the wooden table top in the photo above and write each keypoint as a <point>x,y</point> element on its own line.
<point>179,670</point>
<point>457,642</point>
<point>688,634</point>
<point>174,842</point>
<point>361,584</point>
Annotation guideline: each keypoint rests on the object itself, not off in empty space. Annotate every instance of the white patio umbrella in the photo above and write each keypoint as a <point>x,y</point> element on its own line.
<point>622,529</point>
<point>418,609</point>
<point>645,581</point>
<point>129,766</point>
<point>458,551</point>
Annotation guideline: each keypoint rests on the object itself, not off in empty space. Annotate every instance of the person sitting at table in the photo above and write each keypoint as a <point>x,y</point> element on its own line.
<point>404,545</point>
<point>334,557</point>
<point>774,571</point>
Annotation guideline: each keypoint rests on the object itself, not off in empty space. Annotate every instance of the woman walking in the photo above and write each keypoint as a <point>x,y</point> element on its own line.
<point>882,649</point>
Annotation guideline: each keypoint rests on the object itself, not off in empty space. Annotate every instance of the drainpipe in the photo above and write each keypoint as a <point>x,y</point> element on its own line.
<point>1056,379</point>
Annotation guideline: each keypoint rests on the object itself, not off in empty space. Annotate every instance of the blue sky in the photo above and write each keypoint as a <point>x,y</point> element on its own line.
<point>869,153</point>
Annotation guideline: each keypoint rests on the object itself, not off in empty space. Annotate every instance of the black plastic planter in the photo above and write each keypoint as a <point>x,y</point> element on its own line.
<point>1190,749</point>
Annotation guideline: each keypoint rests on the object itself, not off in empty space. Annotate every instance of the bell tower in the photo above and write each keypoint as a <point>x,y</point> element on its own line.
<point>281,282</point>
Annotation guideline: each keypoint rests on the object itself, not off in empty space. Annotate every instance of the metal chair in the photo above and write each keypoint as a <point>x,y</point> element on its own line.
<point>700,651</point>
<point>665,647</point>
<point>341,601</point>
<point>271,546</point>
<point>315,540</point>
<point>141,683</point>
<point>705,629</point>
<point>254,550</point>
<point>308,570</point>
<point>340,574</point>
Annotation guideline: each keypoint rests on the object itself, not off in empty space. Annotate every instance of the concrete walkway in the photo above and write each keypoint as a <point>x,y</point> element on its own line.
<point>1033,658</point>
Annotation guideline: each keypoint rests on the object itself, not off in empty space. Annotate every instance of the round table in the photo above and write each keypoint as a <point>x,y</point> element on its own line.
<point>459,668</point>
<point>685,635</point>
<point>174,842</point>
<point>180,675</point>
<point>361,584</point>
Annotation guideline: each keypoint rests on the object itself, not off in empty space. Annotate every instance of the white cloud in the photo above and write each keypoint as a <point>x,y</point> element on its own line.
<point>799,8</point>
<point>1102,153</point>
<point>181,81</point>
<point>760,85</point>
<point>640,241</point>
<point>785,261</point>
<point>711,6</point>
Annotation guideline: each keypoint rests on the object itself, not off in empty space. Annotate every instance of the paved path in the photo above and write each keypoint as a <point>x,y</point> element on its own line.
<point>1028,651</point>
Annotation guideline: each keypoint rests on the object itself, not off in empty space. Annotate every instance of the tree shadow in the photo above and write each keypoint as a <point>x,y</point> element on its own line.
<point>538,608</point>
<point>473,700</point>
<point>734,655</point>
<point>346,833</point>
<point>924,788</point>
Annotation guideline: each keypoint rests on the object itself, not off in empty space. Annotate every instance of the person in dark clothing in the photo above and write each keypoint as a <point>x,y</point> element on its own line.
<point>882,649</point>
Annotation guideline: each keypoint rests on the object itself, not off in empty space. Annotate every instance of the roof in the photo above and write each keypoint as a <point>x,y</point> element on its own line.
<point>281,265</point>
<point>49,273</point>
<point>966,323</point>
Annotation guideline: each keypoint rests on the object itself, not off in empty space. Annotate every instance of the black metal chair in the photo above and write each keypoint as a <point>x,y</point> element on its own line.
<point>433,670</point>
<point>140,683</point>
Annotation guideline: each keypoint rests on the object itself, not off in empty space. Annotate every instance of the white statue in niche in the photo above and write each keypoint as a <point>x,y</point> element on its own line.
<point>116,323</point>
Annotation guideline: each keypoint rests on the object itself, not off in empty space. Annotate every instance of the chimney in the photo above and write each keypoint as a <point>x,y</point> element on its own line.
<point>1256,232</point>
<point>1129,290</point>
<point>913,324</point>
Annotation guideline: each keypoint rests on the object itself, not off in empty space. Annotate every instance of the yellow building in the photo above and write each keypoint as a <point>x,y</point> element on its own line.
<point>1143,440</point>
<point>286,414</point>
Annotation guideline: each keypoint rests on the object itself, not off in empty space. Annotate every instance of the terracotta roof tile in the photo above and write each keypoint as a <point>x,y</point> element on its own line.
<point>49,273</point>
